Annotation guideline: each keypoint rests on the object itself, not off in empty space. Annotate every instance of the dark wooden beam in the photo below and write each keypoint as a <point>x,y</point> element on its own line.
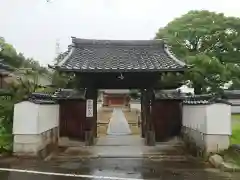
<point>91,116</point>
<point>143,118</point>
<point>150,132</point>
<point>130,81</point>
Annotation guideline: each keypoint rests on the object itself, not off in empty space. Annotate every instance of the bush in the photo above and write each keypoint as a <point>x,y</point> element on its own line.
<point>6,140</point>
<point>6,123</point>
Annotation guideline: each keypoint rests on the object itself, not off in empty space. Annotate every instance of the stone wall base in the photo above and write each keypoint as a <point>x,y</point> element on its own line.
<point>36,145</point>
<point>150,138</point>
<point>200,144</point>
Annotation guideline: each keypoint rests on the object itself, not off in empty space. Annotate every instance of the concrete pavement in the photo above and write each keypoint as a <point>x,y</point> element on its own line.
<point>118,124</point>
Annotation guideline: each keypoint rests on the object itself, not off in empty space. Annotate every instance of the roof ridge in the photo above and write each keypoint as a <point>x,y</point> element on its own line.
<point>77,41</point>
<point>172,55</point>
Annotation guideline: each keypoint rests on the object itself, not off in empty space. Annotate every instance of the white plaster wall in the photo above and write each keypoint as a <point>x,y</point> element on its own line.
<point>218,119</point>
<point>194,117</point>
<point>30,118</point>
<point>48,117</point>
<point>35,126</point>
<point>99,105</point>
<point>25,118</point>
<point>208,126</point>
<point>136,106</point>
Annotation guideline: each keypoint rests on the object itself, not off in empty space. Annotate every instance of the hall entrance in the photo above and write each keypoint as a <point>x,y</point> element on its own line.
<point>110,64</point>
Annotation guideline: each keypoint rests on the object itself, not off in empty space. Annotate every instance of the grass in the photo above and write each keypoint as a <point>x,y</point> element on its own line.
<point>6,143</point>
<point>231,155</point>
<point>236,116</point>
<point>235,138</point>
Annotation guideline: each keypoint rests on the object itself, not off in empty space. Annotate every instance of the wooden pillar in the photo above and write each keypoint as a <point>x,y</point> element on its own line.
<point>91,116</point>
<point>95,112</point>
<point>150,133</point>
<point>142,114</point>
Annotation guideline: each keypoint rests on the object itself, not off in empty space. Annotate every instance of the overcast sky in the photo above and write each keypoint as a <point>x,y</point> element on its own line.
<point>34,26</point>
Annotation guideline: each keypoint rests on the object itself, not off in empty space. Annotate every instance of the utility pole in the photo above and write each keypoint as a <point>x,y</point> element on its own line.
<point>57,51</point>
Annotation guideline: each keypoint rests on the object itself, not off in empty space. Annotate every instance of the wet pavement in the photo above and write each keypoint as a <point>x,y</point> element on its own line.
<point>112,169</point>
<point>121,158</point>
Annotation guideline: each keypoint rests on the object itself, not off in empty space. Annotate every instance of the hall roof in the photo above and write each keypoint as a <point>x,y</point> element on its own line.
<point>4,68</point>
<point>89,55</point>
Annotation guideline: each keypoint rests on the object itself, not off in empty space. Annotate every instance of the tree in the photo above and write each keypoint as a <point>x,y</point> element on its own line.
<point>63,80</point>
<point>207,74</point>
<point>17,60</point>
<point>207,40</point>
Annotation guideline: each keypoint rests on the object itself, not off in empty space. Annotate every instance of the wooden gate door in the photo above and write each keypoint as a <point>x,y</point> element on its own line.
<point>167,119</point>
<point>72,119</point>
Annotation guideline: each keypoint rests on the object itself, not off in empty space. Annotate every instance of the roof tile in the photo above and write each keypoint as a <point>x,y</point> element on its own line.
<point>110,55</point>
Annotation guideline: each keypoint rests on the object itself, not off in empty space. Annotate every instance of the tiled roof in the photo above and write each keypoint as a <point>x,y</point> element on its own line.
<point>85,55</point>
<point>69,94</point>
<point>203,100</point>
<point>41,98</point>
<point>4,68</point>
<point>59,94</point>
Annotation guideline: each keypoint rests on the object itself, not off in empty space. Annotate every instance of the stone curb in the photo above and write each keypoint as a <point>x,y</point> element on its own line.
<point>218,162</point>
<point>153,157</point>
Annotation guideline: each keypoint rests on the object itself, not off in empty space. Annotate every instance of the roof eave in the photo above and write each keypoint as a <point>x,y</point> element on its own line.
<point>120,70</point>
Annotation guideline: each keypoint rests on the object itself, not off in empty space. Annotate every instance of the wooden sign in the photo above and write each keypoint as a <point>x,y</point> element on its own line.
<point>89,108</point>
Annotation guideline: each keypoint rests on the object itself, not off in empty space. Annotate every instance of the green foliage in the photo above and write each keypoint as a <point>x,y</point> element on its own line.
<point>134,94</point>
<point>19,91</point>
<point>6,122</point>
<point>209,41</point>
<point>60,80</point>
<point>207,74</point>
<point>17,60</point>
<point>171,80</point>
<point>29,71</point>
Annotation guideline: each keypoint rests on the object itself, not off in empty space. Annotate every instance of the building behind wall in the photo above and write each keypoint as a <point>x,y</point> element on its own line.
<point>113,97</point>
<point>233,97</point>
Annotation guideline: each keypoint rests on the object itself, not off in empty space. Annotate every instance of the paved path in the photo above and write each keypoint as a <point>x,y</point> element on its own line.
<point>118,124</point>
<point>129,161</point>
